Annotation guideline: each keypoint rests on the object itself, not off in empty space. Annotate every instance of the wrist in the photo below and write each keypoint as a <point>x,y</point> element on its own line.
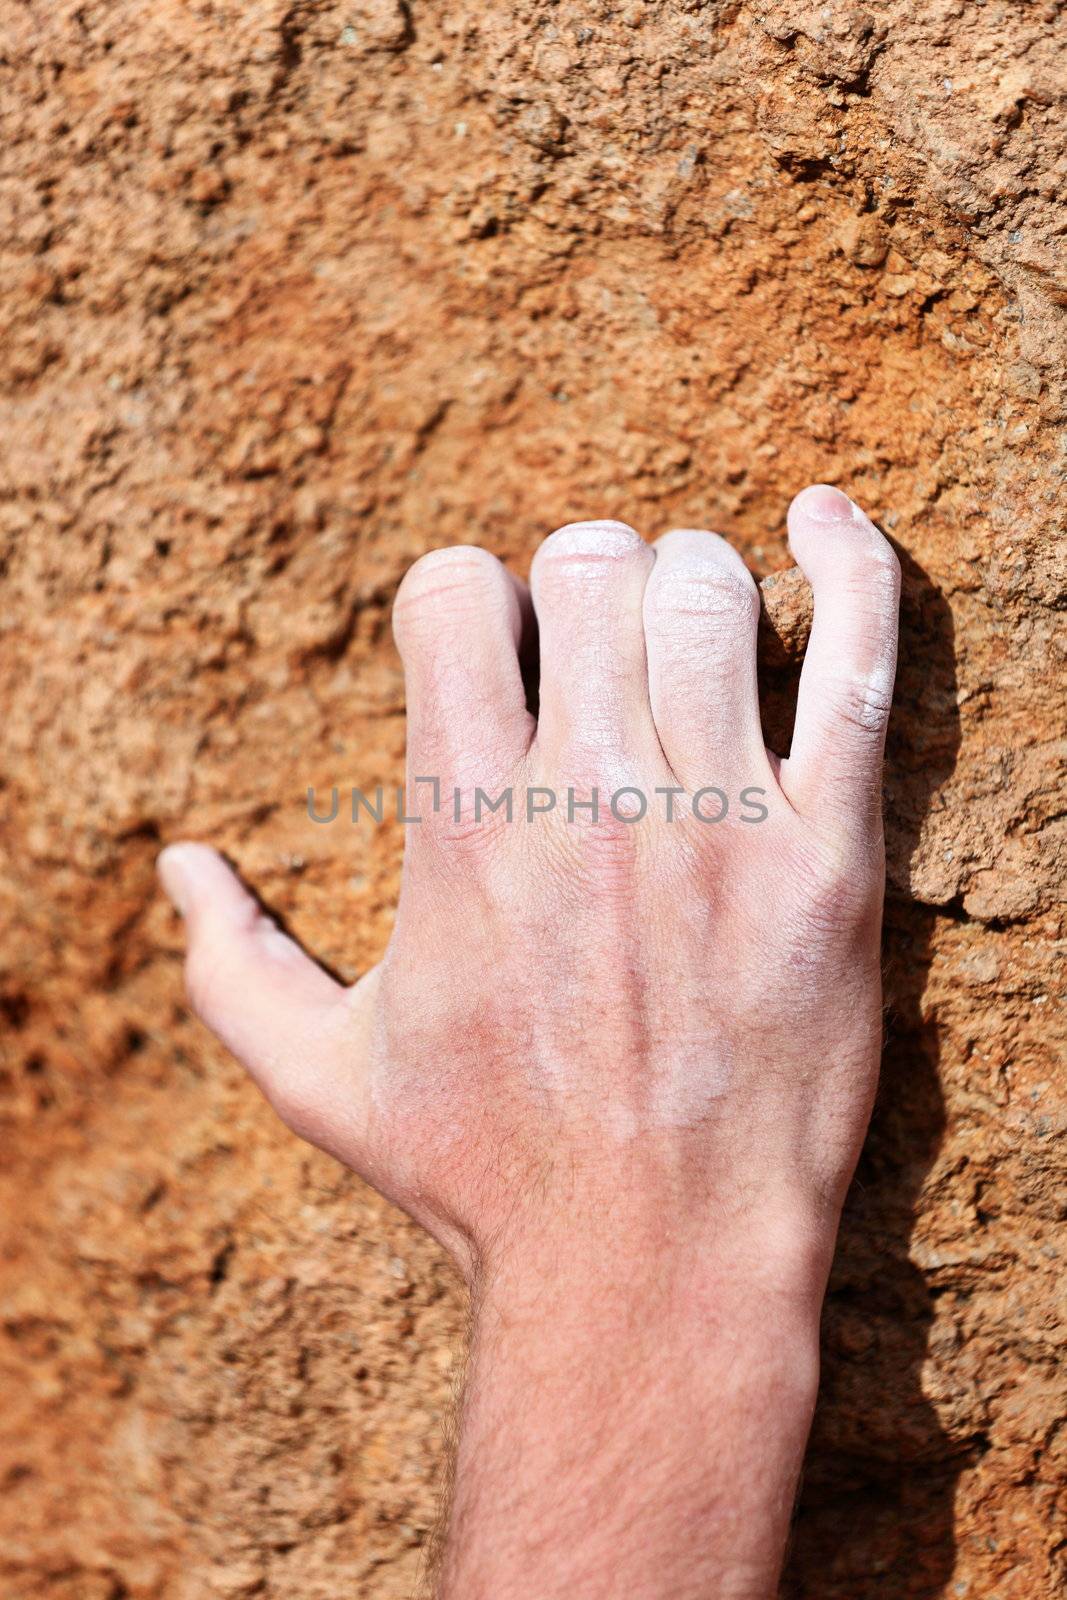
<point>678,1315</point>
<point>675,1260</point>
<point>605,1379</point>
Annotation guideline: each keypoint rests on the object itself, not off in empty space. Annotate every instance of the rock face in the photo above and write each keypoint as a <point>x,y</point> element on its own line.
<point>293,290</point>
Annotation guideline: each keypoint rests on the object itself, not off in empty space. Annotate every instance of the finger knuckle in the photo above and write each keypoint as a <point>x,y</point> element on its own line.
<point>872,575</point>
<point>466,839</point>
<point>444,583</point>
<point>473,802</point>
<point>703,594</point>
<point>602,812</point>
<point>838,891</point>
<point>863,704</point>
<point>580,544</point>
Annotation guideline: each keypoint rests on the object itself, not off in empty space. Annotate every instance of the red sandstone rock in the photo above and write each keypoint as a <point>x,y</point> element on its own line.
<point>292,292</point>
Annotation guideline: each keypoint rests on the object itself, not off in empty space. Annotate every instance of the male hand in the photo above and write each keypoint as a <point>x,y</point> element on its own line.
<point>620,1066</point>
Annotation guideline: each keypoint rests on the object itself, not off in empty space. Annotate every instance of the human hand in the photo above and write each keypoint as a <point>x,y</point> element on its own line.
<point>642,1050</point>
<point>556,992</point>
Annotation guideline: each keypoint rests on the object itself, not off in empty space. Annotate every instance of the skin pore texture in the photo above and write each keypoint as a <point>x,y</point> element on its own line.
<point>620,1066</point>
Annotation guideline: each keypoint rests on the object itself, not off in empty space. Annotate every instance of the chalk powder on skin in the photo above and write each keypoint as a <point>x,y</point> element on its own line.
<point>875,689</point>
<point>699,1073</point>
<point>590,551</point>
<point>878,684</point>
<point>683,1087</point>
<point>682,1095</point>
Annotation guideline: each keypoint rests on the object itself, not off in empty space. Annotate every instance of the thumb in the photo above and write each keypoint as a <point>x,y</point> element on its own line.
<point>285,1019</point>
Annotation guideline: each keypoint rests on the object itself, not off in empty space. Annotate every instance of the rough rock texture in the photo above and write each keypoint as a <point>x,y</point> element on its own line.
<point>293,290</point>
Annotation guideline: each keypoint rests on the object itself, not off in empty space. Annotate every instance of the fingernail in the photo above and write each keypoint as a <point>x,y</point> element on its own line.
<point>173,867</point>
<point>823,503</point>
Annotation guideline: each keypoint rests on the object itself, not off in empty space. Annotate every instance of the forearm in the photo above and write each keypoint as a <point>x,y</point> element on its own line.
<point>630,1431</point>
